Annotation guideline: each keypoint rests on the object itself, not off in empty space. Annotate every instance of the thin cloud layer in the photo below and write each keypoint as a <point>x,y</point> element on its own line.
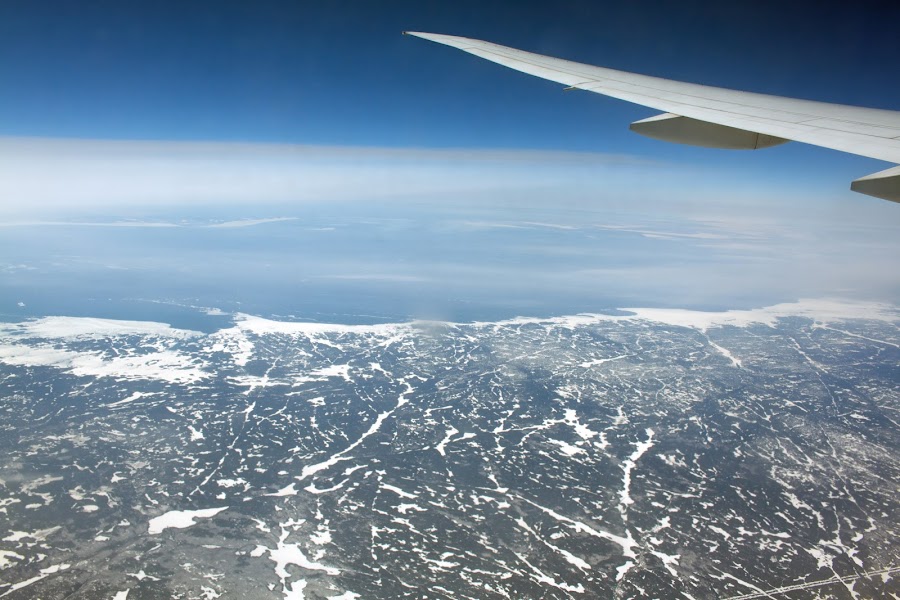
<point>54,176</point>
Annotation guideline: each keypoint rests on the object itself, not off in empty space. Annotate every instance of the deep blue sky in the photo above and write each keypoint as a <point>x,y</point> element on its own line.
<point>339,72</point>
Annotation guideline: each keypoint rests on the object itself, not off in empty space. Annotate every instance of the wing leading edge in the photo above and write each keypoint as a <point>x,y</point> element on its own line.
<point>717,117</point>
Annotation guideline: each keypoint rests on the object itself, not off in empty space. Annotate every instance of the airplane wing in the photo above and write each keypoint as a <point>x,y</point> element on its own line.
<point>718,117</point>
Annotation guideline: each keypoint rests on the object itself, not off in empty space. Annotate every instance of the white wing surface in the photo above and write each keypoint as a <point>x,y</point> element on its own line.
<point>717,117</point>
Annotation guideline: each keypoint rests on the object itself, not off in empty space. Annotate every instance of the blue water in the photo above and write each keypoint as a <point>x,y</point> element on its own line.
<point>371,263</point>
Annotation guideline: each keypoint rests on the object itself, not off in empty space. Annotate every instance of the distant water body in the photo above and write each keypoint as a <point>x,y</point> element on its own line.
<point>369,264</point>
<point>211,316</point>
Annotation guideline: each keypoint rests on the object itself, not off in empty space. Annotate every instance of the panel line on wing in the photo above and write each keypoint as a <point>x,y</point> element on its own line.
<point>650,92</point>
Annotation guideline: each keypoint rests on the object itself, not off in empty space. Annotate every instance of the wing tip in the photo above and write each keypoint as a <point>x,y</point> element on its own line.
<point>442,38</point>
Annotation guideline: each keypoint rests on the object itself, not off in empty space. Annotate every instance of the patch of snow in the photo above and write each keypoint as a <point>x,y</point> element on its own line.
<point>288,490</point>
<point>6,555</point>
<point>164,365</point>
<point>333,371</point>
<point>399,492</point>
<point>89,327</point>
<point>567,448</point>
<point>180,519</point>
